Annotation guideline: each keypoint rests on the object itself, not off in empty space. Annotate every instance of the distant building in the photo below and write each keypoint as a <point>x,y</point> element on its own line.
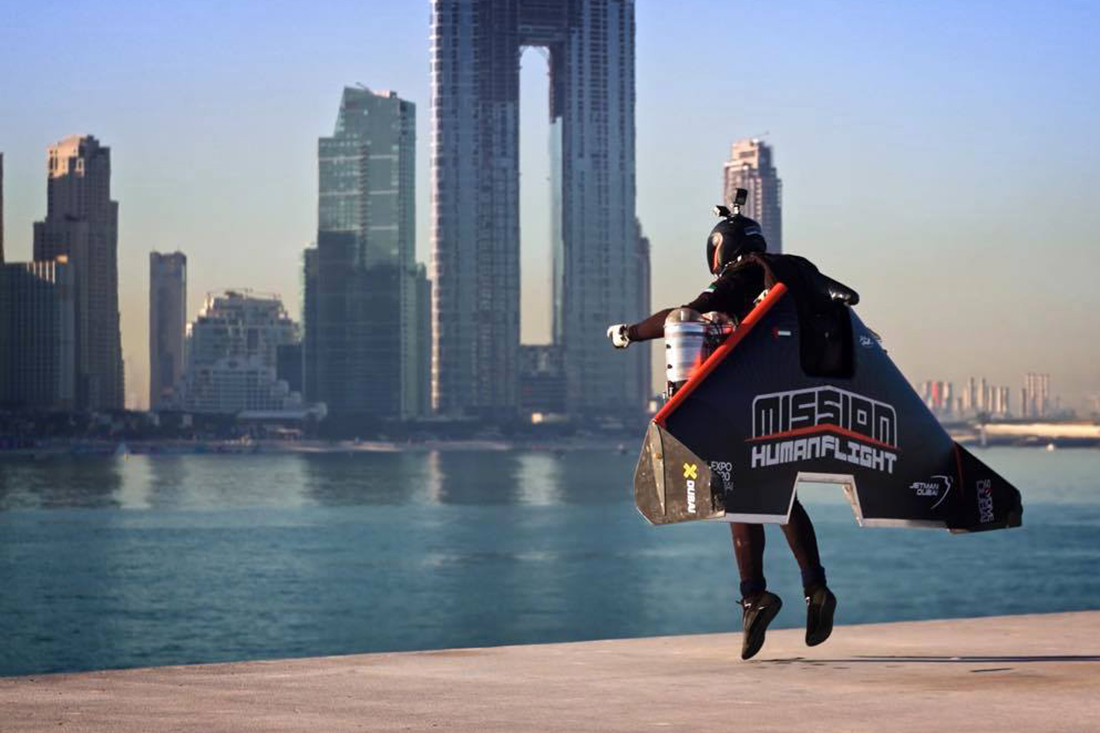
<point>167,324</point>
<point>232,356</point>
<point>37,335</point>
<point>978,398</point>
<point>423,362</point>
<point>360,289</point>
<point>288,365</point>
<point>643,366</point>
<point>1035,398</point>
<point>541,380</point>
<point>82,223</point>
<point>750,167</point>
<point>937,396</point>
<point>475,218</point>
<point>310,325</point>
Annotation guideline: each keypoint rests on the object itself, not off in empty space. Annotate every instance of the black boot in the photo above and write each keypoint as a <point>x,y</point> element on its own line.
<point>757,613</point>
<point>820,606</point>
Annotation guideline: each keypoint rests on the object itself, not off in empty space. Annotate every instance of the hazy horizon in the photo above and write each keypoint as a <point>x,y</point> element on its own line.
<point>940,159</point>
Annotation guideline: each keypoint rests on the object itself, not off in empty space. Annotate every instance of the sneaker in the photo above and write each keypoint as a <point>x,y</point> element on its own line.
<point>757,613</point>
<point>820,606</point>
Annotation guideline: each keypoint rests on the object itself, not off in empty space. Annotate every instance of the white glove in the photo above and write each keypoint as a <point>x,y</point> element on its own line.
<point>618,335</point>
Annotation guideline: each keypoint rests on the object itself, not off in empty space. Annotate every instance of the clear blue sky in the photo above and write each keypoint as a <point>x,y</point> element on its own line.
<point>943,158</point>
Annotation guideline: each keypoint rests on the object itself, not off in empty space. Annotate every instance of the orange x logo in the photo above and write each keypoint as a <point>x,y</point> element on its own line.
<point>691,470</point>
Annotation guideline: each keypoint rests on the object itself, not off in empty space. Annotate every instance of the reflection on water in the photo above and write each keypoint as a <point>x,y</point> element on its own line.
<point>434,478</point>
<point>81,483</point>
<point>327,479</point>
<point>113,561</point>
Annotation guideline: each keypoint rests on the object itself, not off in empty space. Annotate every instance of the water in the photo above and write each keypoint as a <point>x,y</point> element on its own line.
<point>151,560</point>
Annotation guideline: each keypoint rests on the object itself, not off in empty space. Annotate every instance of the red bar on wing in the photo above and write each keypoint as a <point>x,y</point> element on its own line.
<point>721,352</point>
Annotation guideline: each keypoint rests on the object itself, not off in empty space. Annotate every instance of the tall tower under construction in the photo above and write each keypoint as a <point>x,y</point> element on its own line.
<point>600,269</point>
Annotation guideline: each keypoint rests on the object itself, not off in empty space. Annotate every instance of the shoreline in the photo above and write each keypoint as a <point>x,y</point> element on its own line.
<point>312,447</point>
<point>620,445</point>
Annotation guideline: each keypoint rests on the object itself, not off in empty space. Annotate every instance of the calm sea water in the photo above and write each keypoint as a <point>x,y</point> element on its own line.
<point>151,560</point>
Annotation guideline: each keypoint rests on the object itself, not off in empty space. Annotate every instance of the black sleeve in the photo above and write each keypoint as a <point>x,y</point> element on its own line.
<point>654,326</point>
<point>651,328</point>
<point>707,300</point>
<point>732,294</point>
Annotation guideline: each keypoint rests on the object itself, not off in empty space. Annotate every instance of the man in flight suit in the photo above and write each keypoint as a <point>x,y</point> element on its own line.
<point>737,257</point>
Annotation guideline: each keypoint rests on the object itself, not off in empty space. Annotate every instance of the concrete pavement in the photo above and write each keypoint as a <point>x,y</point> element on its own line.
<point>1011,673</point>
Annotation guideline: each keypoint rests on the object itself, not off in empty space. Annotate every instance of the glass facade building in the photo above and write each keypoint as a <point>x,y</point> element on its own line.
<point>360,290</point>
<point>37,335</point>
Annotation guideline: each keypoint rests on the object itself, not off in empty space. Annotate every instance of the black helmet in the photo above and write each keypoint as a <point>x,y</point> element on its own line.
<point>733,237</point>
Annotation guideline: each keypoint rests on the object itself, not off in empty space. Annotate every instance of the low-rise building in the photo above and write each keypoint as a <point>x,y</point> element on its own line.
<point>232,356</point>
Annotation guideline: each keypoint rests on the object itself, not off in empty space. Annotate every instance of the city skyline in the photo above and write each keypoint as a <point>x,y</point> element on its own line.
<point>911,198</point>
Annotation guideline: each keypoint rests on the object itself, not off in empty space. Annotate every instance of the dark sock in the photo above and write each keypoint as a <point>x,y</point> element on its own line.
<point>753,587</point>
<point>813,579</point>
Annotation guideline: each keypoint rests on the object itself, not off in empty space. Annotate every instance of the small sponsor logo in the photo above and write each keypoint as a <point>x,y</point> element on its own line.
<point>723,469</point>
<point>936,487</point>
<point>691,473</point>
<point>866,342</point>
<point>985,500</point>
<point>780,333</point>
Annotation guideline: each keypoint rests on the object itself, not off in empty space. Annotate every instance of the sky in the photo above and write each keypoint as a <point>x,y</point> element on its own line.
<point>942,158</point>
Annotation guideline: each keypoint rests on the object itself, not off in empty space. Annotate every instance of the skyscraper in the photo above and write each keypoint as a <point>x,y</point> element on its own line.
<point>750,167</point>
<point>82,224</point>
<point>1036,395</point>
<point>643,367</point>
<point>475,199</point>
<point>37,337</point>
<point>167,324</point>
<point>361,292</point>
<point>423,361</point>
<point>310,325</point>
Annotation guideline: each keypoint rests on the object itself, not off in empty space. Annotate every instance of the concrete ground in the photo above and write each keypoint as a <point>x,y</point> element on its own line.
<point>1012,673</point>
